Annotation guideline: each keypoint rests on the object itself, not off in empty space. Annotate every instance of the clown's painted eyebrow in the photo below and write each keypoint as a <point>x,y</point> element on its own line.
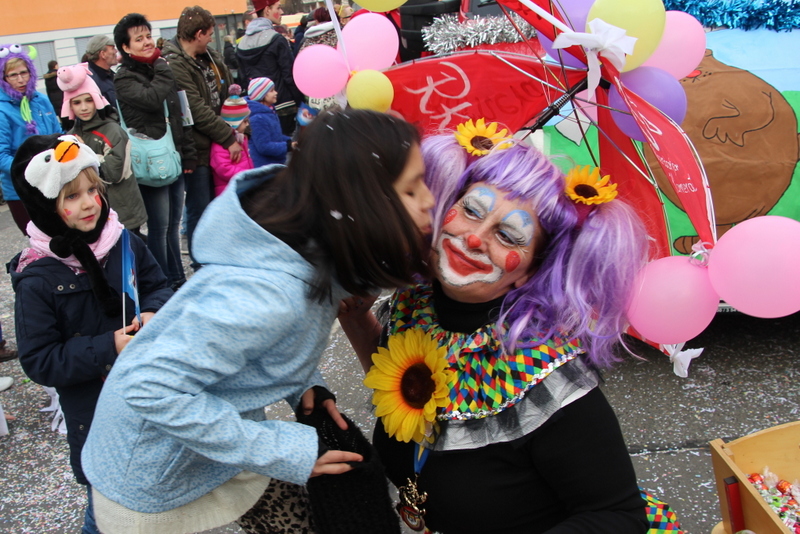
<point>480,200</point>
<point>519,226</point>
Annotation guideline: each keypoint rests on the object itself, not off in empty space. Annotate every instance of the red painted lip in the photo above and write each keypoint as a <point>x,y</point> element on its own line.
<point>89,218</point>
<point>461,264</point>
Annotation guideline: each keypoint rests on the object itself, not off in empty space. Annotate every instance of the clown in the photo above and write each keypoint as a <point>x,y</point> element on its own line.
<point>23,112</point>
<point>486,383</point>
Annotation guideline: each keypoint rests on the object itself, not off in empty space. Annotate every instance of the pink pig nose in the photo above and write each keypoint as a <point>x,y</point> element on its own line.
<point>473,241</point>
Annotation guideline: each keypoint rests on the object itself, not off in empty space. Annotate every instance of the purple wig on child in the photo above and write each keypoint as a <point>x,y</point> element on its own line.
<point>584,273</point>
<point>10,52</point>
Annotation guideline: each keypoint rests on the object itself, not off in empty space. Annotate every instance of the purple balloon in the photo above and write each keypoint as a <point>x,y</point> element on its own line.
<point>658,87</point>
<point>574,13</point>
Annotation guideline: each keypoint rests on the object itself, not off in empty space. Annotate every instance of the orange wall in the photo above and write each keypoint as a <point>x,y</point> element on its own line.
<point>67,14</point>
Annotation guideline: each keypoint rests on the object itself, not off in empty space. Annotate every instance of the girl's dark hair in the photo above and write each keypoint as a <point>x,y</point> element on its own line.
<point>335,203</point>
<point>121,35</point>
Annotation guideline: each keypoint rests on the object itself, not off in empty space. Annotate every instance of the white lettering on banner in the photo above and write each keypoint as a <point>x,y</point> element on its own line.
<point>432,87</point>
<point>685,188</point>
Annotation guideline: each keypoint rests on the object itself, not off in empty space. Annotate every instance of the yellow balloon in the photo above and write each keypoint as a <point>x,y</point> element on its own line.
<point>381,6</point>
<point>370,89</point>
<point>643,19</point>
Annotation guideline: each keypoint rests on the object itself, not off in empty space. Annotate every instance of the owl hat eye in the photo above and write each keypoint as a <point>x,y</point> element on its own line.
<point>15,49</point>
<point>4,52</point>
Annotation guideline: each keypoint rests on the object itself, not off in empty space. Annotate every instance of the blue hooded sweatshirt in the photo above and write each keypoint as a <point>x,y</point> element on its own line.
<point>182,410</point>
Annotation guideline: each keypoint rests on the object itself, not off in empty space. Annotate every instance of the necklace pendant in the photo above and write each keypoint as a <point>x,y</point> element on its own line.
<point>409,507</point>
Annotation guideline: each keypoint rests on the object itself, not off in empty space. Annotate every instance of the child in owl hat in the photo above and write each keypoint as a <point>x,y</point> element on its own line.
<point>68,281</point>
<point>235,112</point>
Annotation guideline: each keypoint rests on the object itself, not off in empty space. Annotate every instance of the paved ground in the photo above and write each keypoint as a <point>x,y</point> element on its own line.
<point>746,380</point>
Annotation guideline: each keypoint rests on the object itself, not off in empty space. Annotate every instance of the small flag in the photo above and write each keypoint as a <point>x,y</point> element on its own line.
<point>129,285</point>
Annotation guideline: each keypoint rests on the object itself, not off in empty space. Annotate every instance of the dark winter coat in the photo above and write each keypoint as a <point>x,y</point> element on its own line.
<point>268,144</point>
<point>54,92</point>
<point>64,338</point>
<point>229,54</point>
<point>263,52</point>
<point>208,125</point>
<point>141,91</point>
<point>105,81</point>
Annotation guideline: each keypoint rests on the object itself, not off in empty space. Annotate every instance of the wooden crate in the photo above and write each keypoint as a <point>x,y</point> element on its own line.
<point>777,448</point>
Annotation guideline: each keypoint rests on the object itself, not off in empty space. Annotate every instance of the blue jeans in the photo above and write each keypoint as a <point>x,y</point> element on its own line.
<point>89,524</point>
<point>198,196</point>
<point>164,207</point>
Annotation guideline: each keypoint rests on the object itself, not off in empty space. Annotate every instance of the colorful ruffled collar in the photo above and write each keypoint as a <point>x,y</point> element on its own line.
<point>487,380</point>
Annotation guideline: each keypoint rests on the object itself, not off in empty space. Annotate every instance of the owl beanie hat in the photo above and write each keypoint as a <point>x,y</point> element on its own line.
<point>43,165</point>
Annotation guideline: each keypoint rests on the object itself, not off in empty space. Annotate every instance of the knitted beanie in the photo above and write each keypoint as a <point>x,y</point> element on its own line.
<point>356,502</point>
<point>43,165</point>
<point>235,109</point>
<point>259,87</point>
<point>76,80</point>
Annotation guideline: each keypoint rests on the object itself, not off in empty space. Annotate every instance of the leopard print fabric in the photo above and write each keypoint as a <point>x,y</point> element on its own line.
<point>282,509</point>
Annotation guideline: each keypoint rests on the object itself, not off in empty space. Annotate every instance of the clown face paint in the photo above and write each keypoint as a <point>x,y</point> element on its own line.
<point>82,207</point>
<point>487,245</point>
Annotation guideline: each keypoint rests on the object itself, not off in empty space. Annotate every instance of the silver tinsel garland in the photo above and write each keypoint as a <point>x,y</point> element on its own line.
<point>447,35</point>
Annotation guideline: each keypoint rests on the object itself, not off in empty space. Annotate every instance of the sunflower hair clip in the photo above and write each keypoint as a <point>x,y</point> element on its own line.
<point>480,138</point>
<point>587,189</point>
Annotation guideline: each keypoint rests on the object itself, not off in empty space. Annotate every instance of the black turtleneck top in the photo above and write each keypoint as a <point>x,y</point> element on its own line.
<point>571,475</point>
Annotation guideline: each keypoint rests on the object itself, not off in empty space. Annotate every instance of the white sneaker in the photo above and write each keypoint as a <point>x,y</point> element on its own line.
<point>5,382</point>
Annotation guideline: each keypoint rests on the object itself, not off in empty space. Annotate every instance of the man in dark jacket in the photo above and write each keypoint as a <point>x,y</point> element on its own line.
<point>101,55</point>
<point>264,53</point>
<point>201,72</point>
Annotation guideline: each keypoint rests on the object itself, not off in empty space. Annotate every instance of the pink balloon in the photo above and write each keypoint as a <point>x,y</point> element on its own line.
<point>320,71</point>
<point>370,41</point>
<point>681,48</point>
<point>755,266</point>
<point>673,300</point>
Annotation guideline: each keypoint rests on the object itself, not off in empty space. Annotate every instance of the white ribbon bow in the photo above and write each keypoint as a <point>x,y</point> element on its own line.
<point>605,40</point>
<point>681,358</point>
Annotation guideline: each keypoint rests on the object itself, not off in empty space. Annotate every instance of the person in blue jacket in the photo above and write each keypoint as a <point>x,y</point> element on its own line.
<point>23,112</point>
<point>179,441</point>
<point>268,144</point>
<point>68,282</point>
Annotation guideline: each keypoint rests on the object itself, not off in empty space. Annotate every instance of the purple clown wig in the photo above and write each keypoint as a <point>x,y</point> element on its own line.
<point>11,52</point>
<point>583,272</point>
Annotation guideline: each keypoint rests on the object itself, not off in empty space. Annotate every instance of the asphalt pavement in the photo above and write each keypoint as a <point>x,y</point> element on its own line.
<point>746,380</point>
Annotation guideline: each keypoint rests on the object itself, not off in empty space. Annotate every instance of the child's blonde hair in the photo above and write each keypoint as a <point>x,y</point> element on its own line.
<point>72,187</point>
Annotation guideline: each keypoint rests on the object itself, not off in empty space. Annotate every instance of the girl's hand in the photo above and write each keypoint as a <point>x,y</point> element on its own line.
<point>121,337</point>
<point>307,405</point>
<point>353,307</point>
<point>332,463</point>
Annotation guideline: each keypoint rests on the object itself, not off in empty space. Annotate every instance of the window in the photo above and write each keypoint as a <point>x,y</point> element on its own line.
<point>80,46</point>
<point>45,52</point>
<point>169,33</point>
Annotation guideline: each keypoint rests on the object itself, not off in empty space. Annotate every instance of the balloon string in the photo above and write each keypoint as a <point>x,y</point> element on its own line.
<point>338,28</point>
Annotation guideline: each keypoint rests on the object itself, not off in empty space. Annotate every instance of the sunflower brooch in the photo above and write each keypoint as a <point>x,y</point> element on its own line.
<point>586,186</point>
<point>410,382</point>
<point>480,138</point>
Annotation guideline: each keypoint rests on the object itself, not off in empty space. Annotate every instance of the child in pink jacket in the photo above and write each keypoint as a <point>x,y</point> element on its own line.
<point>235,112</point>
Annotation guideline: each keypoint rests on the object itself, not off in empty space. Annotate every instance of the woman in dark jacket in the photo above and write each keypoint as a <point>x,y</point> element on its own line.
<point>143,83</point>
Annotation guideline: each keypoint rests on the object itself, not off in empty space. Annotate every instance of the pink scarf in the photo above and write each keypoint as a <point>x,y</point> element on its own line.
<point>40,244</point>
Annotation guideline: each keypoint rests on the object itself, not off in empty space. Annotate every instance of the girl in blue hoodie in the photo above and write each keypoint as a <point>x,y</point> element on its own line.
<point>268,144</point>
<point>179,442</point>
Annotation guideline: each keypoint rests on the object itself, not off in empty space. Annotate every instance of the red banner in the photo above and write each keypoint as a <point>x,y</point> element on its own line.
<point>677,158</point>
<point>441,92</point>
<point>619,158</point>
